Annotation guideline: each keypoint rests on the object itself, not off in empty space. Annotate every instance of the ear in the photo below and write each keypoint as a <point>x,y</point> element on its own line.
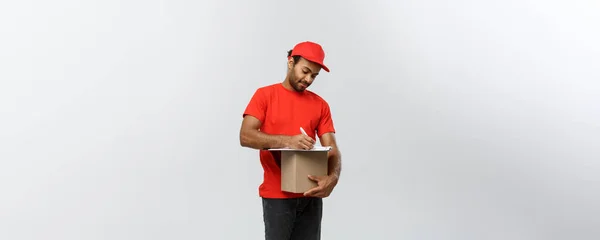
<point>290,63</point>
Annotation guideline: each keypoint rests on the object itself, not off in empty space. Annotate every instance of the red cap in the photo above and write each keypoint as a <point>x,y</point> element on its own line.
<point>310,51</point>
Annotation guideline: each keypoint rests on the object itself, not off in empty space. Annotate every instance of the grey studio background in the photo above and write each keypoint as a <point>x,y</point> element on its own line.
<point>456,119</point>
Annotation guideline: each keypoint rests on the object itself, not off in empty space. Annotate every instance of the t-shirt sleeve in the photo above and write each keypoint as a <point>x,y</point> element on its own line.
<point>326,122</point>
<point>257,107</point>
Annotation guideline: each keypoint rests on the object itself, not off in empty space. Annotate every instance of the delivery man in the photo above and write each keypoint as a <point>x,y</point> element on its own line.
<point>272,119</point>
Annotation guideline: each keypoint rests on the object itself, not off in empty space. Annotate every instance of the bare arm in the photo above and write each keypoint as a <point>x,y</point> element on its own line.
<point>252,137</point>
<point>326,184</point>
<point>334,155</point>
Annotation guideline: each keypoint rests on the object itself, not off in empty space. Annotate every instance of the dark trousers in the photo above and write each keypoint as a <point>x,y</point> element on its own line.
<point>292,219</point>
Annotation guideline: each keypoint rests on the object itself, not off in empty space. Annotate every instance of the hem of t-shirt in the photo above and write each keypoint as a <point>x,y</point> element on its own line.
<point>326,132</point>
<point>254,115</point>
<point>281,195</point>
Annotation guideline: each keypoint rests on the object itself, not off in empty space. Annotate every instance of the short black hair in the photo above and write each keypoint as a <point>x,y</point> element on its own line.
<point>296,58</point>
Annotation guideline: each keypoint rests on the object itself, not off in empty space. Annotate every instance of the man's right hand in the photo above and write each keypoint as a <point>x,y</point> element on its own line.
<point>301,141</point>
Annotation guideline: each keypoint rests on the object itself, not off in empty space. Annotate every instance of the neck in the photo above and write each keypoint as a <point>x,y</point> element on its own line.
<point>286,84</point>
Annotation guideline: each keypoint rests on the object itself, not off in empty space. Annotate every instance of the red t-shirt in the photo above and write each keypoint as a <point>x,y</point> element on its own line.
<point>283,111</point>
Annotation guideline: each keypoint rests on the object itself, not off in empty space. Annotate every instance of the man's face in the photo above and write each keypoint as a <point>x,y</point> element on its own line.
<point>303,73</point>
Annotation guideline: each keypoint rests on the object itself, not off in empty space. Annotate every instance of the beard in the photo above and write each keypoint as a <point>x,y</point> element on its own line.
<point>298,84</point>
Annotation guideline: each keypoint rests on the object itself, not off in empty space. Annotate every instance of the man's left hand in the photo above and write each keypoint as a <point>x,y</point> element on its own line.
<point>325,185</point>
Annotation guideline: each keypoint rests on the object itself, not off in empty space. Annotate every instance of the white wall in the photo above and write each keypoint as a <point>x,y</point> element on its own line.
<point>457,120</point>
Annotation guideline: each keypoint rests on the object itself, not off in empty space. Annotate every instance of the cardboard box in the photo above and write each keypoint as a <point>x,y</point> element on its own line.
<point>296,165</point>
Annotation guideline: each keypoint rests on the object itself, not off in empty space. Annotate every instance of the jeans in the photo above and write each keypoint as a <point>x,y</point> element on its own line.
<point>293,218</point>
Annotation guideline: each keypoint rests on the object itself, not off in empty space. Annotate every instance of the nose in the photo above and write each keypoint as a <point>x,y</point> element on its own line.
<point>309,79</point>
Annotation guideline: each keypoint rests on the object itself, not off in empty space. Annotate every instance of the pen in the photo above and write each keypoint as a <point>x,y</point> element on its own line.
<point>303,132</point>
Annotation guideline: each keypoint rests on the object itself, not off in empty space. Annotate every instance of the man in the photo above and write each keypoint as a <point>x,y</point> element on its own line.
<point>273,119</point>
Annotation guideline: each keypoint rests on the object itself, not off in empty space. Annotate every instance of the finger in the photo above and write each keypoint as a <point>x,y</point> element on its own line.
<point>308,193</point>
<point>313,191</point>
<point>306,145</point>
<point>314,178</point>
<point>302,144</point>
<point>309,139</point>
<point>319,194</point>
<point>310,144</point>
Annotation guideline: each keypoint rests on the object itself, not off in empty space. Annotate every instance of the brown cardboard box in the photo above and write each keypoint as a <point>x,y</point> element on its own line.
<point>296,165</point>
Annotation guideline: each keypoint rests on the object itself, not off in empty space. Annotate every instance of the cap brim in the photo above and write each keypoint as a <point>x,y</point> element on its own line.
<point>320,64</point>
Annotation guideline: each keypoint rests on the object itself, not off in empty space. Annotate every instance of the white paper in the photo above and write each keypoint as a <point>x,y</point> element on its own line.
<point>315,148</point>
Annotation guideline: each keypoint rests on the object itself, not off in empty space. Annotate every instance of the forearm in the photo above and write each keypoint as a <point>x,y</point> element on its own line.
<point>259,140</point>
<point>334,163</point>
